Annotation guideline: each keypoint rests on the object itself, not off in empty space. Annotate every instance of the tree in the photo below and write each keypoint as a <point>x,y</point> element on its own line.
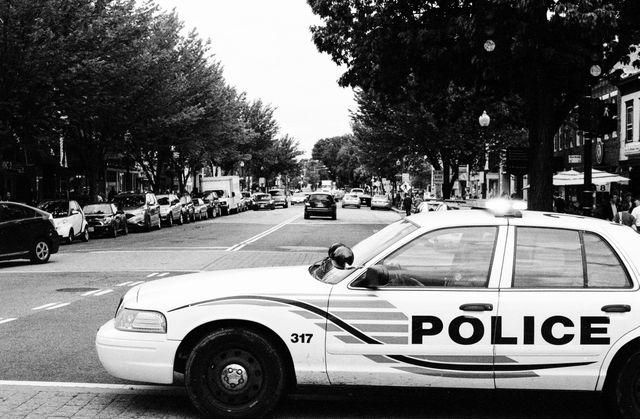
<point>543,52</point>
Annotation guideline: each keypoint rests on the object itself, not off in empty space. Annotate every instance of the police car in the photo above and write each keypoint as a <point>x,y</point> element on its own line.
<point>491,299</point>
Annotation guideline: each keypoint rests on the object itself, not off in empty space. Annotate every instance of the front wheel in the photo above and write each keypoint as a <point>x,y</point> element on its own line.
<point>40,251</point>
<point>626,388</point>
<point>234,373</point>
<point>85,235</point>
<point>70,237</point>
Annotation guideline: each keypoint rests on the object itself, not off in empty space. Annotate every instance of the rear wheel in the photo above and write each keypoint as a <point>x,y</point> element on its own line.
<point>626,388</point>
<point>70,237</point>
<point>114,230</point>
<point>147,224</point>
<point>170,219</point>
<point>126,228</point>
<point>306,216</point>
<point>85,235</point>
<point>40,251</point>
<point>235,373</point>
<point>180,219</point>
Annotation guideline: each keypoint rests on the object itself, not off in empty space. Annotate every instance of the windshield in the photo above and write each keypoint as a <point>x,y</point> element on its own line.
<point>98,209</point>
<point>164,200</point>
<point>364,251</point>
<point>357,190</point>
<point>264,197</point>
<point>56,208</point>
<point>320,198</point>
<point>129,201</point>
<point>276,193</point>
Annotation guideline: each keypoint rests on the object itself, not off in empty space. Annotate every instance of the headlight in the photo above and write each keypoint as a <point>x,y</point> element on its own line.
<point>107,220</point>
<point>307,204</point>
<point>140,321</point>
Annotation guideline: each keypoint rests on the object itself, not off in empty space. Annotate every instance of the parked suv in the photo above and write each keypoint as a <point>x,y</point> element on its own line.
<point>26,233</point>
<point>141,209</point>
<point>170,209</point>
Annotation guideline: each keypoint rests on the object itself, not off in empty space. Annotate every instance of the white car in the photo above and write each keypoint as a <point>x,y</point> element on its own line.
<point>68,219</point>
<point>495,300</point>
<point>299,198</point>
<point>350,200</point>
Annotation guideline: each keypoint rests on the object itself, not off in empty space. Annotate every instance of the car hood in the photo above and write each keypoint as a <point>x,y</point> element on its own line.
<point>179,291</point>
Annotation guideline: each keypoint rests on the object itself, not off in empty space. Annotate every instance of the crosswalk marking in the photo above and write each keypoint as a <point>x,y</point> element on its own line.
<point>45,306</point>
<point>10,319</point>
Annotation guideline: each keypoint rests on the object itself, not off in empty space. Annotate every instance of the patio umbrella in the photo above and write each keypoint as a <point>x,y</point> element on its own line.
<point>598,177</point>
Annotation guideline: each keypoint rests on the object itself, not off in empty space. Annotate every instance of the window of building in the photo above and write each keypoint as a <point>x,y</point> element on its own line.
<point>629,121</point>
<point>555,258</point>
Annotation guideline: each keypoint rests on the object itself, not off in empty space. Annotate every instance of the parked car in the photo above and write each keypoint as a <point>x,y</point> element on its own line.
<point>299,198</point>
<point>213,203</point>
<point>246,201</point>
<point>263,201</point>
<point>188,211</point>
<point>380,201</point>
<point>279,197</point>
<point>200,210</point>
<point>26,233</point>
<point>105,219</point>
<point>529,300</point>
<point>351,200</point>
<point>141,209</point>
<point>320,204</point>
<point>68,219</point>
<point>170,209</point>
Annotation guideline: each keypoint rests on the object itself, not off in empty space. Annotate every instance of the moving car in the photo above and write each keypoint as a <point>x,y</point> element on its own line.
<point>26,233</point>
<point>105,219</point>
<point>380,201</point>
<point>141,209</point>
<point>365,199</point>
<point>68,219</point>
<point>200,209</point>
<point>351,200</point>
<point>320,204</point>
<point>170,209</point>
<point>299,198</point>
<point>279,197</point>
<point>263,201</point>
<point>497,299</point>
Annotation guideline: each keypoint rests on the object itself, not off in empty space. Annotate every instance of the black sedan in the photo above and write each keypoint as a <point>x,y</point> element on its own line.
<point>263,201</point>
<point>105,219</point>
<point>26,233</point>
<point>320,204</point>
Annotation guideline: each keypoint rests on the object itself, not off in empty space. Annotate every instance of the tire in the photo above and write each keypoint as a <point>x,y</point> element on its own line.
<point>180,219</point>
<point>235,373</point>
<point>69,239</point>
<point>306,216</point>
<point>225,211</point>
<point>85,235</point>
<point>625,392</point>
<point>206,215</point>
<point>147,224</point>
<point>126,229</point>
<point>159,223</point>
<point>358,207</point>
<point>333,216</point>
<point>170,218</point>
<point>40,251</point>
<point>114,231</point>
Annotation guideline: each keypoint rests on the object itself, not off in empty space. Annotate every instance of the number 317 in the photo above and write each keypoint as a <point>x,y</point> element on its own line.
<point>301,337</point>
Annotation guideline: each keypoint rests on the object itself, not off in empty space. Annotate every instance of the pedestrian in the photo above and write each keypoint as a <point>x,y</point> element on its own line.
<point>624,218</point>
<point>611,210</point>
<point>112,194</point>
<point>627,203</point>
<point>407,202</point>
<point>558,202</point>
<point>398,200</point>
<point>636,213</point>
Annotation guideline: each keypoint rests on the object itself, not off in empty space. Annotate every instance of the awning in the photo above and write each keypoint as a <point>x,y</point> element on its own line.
<point>598,177</point>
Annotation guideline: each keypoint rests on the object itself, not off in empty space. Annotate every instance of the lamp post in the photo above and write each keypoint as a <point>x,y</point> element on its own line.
<point>484,120</point>
<point>242,180</point>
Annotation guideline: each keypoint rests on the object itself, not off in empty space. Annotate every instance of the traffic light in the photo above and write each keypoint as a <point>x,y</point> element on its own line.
<point>608,120</point>
<point>597,117</point>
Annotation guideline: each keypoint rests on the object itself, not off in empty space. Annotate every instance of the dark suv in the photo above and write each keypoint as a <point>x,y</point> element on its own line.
<point>141,209</point>
<point>26,233</point>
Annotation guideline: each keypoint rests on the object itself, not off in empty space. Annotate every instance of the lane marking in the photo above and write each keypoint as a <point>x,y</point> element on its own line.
<point>102,292</point>
<point>106,249</point>
<point>10,319</point>
<point>133,284</point>
<point>122,284</point>
<point>152,275</point>
<point>163,274</point>
<point>45,306</point>
<point>265,233</point>
<point>89,293</point>
<point>57,306</point>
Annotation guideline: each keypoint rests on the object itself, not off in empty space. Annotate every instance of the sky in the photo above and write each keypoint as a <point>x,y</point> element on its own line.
<point>266,50</point>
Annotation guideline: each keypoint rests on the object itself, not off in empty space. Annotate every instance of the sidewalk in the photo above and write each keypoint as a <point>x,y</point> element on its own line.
<point>29,400</point>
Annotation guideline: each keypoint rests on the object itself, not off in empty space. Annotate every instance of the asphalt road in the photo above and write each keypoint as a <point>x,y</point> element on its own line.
<point>50,313</point>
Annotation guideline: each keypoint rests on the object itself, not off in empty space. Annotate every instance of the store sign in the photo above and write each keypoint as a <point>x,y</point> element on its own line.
<point>575,158</point>
<point>438,177</point>
<point>631,148</point>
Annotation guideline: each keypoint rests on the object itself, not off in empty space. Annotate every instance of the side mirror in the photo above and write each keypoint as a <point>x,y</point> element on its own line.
<point>74,212</point>
<point>119,211</point>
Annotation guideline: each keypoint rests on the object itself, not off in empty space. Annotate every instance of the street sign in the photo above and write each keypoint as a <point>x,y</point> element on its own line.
<point>405,177</point>
<point>405,187</point>
<point>575,158</point>
<point>438,177</point>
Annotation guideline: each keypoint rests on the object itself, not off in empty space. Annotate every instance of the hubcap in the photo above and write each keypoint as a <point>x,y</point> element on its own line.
<point>42,250</point>
<point>234,377</point>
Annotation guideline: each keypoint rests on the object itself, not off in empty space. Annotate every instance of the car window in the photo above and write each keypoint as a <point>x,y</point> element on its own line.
<point>320,198</point>
<point>164,200</point>
<point>57,209</point>
<point>454,257</point>
<point>129,201</point>
<point>14,212</point>
<point>556,258</point>
<point>276,193</point>
<point>98,209</point>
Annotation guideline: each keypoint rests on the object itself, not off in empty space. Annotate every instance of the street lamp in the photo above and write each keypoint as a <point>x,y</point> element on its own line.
<point>242,175</point>
<point>484,120</point>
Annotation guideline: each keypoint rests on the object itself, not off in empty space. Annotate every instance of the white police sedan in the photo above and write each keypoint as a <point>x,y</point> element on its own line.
<point>508,300</point>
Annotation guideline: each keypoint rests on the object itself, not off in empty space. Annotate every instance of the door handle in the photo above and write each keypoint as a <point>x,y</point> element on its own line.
<point>476,307</point>
<point>616,308</point>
